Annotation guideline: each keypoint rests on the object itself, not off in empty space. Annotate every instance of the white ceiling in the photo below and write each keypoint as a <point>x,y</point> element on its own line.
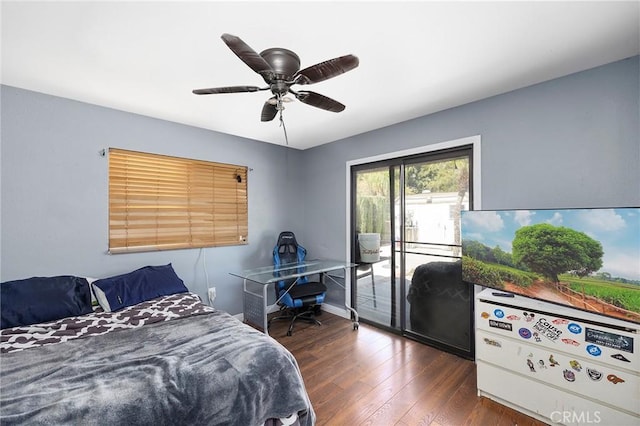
<point>416,58</point>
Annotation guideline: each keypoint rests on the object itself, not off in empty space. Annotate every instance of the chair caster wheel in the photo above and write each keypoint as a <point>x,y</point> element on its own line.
<point>355,326</point>
<point>289,333</point>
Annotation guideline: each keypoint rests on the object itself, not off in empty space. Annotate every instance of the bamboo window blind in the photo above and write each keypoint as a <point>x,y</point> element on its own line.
<point>159,202</point>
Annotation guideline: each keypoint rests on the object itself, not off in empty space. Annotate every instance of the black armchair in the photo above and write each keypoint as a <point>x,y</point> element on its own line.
<point>441,304</point>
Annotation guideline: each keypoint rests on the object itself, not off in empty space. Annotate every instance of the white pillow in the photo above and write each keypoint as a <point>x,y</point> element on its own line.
<point>101,297</point>
<point>94,301</point>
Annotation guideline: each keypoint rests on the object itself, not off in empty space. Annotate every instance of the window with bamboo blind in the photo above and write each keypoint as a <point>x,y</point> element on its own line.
<point>158,202</point>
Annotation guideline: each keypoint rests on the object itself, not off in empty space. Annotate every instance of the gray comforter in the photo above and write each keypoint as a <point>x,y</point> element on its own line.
<point>201,370</point>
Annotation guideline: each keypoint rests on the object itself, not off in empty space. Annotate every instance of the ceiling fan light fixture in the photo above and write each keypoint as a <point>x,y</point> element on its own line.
<point>274,101</point>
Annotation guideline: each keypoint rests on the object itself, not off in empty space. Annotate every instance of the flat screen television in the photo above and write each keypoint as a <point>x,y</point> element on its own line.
<point>587,259</point>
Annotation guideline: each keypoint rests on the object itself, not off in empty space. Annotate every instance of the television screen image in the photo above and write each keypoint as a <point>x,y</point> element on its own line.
<point>588,259</point>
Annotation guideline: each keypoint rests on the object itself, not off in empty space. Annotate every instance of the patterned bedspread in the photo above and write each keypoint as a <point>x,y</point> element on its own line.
<point>100,322</point>
<point>188,364</point>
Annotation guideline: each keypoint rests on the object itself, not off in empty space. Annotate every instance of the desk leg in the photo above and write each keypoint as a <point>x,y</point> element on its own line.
<point>356,318</point>
<point>255,307</point>
<point>265,320</point>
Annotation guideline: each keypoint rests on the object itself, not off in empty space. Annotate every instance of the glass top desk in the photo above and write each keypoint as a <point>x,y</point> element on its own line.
<point>255,301</point>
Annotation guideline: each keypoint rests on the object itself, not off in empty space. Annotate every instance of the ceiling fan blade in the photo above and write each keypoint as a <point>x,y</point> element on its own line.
<point>248,55</point>
<point>269,111</point>
<point>230,89</point>
<point>326,70</point>
<point>319,101</point>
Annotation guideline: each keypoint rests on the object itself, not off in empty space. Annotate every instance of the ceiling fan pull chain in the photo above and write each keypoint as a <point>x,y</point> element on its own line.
<point>284,128</point>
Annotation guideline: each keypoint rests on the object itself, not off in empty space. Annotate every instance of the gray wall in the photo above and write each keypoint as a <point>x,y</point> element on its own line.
<point>570,142</point>
<point>55,192</point>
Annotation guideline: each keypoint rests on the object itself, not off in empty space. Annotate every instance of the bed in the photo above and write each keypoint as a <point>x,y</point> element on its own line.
<point>166,359</point>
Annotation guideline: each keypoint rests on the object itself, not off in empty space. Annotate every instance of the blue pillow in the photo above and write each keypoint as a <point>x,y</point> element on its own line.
<point>135,287</point>
<point>42,299</point>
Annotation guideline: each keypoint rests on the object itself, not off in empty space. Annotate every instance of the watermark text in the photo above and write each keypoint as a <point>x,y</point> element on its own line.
<point>580,417</point>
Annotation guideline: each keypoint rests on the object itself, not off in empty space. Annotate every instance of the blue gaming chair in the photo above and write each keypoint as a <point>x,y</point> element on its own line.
<point>303,301</point>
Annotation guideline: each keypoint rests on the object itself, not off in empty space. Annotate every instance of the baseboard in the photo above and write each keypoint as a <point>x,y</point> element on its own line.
<point>336,310</point>
<point>272,308</point>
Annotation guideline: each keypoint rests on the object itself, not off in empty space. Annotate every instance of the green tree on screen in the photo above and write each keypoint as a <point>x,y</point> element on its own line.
<point>550,250</point>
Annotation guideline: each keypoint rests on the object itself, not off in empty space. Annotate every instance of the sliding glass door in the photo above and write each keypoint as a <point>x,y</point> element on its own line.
<point>414,204</point>
<point>372,217</point>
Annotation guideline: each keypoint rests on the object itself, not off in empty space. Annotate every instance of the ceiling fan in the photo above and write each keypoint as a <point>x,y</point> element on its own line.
<point>280,69</point>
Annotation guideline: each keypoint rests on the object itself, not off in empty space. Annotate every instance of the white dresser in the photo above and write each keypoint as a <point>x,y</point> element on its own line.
<point>557,364</point>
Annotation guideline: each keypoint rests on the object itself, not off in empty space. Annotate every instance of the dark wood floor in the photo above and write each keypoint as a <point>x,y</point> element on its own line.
<point>372,377</point>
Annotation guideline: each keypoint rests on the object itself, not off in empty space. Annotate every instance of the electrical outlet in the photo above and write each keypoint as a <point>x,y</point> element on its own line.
<point>212,295</point>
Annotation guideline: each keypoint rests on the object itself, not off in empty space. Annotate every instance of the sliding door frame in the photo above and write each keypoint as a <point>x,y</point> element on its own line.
<point>473,141</point>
